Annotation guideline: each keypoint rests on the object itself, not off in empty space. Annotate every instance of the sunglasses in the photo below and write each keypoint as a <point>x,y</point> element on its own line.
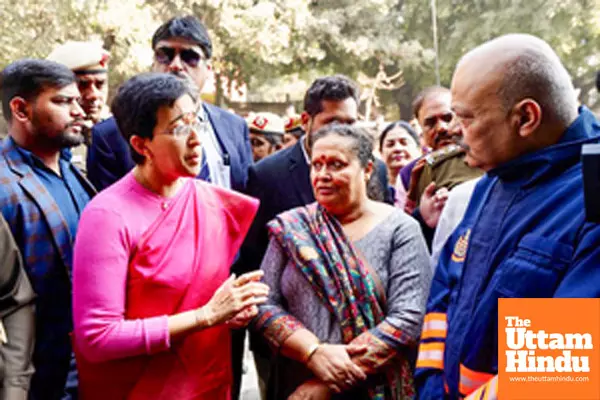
<point>165,56</point>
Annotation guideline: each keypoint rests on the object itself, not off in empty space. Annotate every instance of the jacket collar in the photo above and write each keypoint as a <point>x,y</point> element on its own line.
<point>533,167</point>
<point>300,173</point>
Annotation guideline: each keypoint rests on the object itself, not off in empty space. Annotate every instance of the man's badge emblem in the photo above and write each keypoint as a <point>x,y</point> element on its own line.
<point>460,248</point>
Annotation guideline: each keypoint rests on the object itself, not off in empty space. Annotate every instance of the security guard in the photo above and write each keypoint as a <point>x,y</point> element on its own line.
<point>89,62</point>
<point>266,134</point>
<point>446,167</point>
<point>293,131</point>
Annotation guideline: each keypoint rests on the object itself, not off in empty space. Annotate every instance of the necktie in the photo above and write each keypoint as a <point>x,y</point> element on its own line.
<point>204,170</point>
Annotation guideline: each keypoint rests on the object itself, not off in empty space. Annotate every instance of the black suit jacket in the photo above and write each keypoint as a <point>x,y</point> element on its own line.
<point>109,156</point>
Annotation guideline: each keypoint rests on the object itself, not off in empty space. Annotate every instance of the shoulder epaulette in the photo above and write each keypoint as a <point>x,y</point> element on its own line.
<point>442,154</point>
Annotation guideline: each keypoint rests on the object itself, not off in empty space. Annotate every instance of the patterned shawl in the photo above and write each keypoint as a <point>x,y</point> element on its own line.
<point>315,241</point>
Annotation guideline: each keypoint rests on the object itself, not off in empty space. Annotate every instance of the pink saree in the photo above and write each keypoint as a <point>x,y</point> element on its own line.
<point>179,263</point>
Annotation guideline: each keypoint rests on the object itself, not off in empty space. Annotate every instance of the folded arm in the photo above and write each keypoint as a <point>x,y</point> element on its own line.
<point>408,287</point>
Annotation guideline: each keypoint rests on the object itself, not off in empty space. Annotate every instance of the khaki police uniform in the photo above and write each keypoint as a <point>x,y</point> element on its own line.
<point>446,167</point>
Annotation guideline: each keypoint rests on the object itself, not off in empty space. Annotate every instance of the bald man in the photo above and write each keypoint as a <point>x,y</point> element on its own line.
<point>524,233</point>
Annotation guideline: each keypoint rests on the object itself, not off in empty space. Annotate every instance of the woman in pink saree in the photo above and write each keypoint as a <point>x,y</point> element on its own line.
<point>153,300</point>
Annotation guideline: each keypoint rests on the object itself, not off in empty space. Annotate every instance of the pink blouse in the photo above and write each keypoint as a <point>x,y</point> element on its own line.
<point>115,219</point>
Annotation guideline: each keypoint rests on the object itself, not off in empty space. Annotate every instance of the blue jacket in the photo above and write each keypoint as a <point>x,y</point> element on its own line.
<point>109,157</point>
<point>46,245</point>
<point>523,235</point>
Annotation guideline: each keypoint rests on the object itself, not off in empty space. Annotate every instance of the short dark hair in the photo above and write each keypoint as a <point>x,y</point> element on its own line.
<point>189,28</point>
<point>332,88</point>
<point>423,95</point>
<point>138,100</point>
<point>362,148</point>
<point>27,78</point>
<point>274,138</point>
<point>402,124</point>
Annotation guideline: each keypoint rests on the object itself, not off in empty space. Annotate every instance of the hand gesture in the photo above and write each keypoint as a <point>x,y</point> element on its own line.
<point>243,318</point>
<point>432,204</point>
<point>331,363</point>
<point>235,295</point>
<point>413,183</point>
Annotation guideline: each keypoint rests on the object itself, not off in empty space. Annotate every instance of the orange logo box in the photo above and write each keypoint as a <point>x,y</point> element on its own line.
<point>549,349</point>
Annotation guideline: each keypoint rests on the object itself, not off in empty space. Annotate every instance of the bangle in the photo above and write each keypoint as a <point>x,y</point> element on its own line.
<point>201,318</point>
<point>311,352</point>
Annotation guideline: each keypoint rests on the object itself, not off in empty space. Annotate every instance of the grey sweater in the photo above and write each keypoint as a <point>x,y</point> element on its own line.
<point>394,248</point>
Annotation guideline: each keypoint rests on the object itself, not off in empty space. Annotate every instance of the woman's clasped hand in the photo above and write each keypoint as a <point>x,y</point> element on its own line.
<point>332,364</point>
<point>235,301</point>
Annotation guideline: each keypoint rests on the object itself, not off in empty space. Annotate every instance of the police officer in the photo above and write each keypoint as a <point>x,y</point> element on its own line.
<point>89,62</point>
<point>445,166</point>
<point>266,134</point>
<point>293,131</point>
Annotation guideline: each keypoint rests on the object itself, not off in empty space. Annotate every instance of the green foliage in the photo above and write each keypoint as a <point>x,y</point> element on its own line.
<point>273,44</point>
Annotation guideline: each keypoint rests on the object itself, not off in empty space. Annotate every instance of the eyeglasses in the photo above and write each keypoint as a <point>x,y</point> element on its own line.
<point>166,55</point>
<point>188,123</point>
<point>184,130</point>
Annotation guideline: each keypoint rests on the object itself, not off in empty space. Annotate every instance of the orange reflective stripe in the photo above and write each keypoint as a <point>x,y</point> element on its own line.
<point>433,333</point>
<point>435,316</point>
<point>431,355</point>
<point>432,346</point>
<point>480,377</point>
<point>472,380</point>
<point>437,364</point>
<point>435,325</point>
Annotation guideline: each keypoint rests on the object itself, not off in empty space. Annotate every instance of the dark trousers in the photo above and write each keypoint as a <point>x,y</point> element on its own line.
<point>237,358</point>
<point>55,381</point>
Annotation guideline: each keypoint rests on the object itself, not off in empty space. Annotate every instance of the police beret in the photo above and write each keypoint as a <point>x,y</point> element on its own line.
<point>293,125</point>
<point>83,57</point>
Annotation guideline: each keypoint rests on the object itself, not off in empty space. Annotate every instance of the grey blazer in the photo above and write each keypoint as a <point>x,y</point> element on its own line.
<point>17,318</point>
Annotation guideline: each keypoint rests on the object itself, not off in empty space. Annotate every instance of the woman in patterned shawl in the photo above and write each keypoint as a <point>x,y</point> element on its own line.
<point>349,280</point>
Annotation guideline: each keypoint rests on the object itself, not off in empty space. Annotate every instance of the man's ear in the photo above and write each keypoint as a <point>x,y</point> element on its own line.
<point>20,109</point>
<point>306,121</point>
<point>527,117</point>
<point>139,145</point>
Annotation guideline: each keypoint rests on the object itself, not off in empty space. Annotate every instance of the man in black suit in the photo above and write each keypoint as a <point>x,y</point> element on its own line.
<point>181,47</point>
<point>282,180</point>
